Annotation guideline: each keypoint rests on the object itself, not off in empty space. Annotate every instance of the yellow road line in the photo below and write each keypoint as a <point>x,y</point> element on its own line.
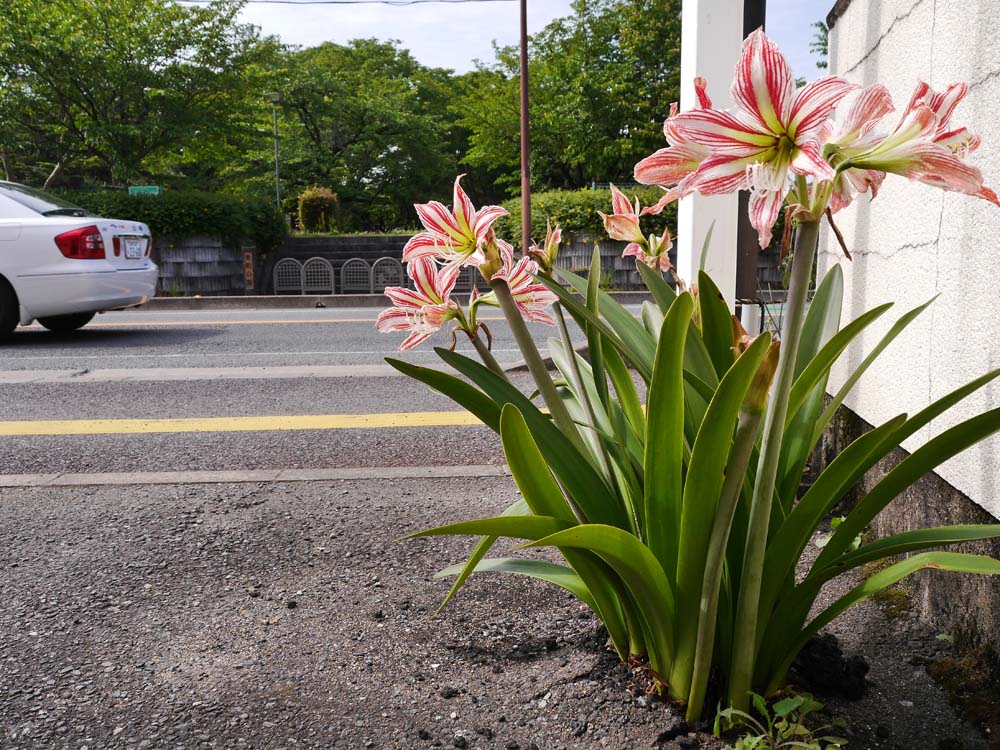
<point>239,424</point>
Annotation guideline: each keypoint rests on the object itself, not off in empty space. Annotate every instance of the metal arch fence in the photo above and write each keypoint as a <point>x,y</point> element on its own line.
<point>356,277</point>
<point>288,276</point>
<point>317,276</point>
<point>387,272</point>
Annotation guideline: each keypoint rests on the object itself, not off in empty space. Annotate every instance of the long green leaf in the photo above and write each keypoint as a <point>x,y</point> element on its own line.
<point>539,489</point>
<point>585,486</point>
<point>790,539</point>
<point>479,551</point>
<point>819,366</point>
<point>594,341</point>
<point>716,324</point>
<point>517,527</point>
<point>625,389</point>
<point>549,572</point>
<point>664,457</point>
<point>856,374</point>
<point>702,487</point>
<point>640,571</point>
<point>459,391</point>
<point>662,292</point>
<point>910,541</point>
<point>923,460</point>
<point>950,561</point>
<point>636,345</point>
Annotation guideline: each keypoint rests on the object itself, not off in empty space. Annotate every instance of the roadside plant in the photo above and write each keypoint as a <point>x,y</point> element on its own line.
<point>781,727</point>
<point>680,521</point>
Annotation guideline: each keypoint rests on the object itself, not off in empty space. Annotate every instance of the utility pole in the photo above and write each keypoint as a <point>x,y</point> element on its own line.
<point>525,142</point>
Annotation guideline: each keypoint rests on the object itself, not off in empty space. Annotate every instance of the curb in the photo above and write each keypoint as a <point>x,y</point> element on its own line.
<point>303,301</point>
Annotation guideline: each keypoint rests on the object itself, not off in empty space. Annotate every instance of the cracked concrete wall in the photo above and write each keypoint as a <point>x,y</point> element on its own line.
<point>915,241</point>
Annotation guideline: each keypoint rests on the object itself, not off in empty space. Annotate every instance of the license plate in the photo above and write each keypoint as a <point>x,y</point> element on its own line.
<point>135,248</point>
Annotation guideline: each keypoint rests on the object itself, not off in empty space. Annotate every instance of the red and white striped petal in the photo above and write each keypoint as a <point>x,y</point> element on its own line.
<point>809,161</point>
<point>762,89</point>
<point>871,105</point>
<point>465,213</point>
<point>620,203</point>
<point>484,220</point>
<point>722,174</point>
<point>765,205</point>
<point>700,86</point>
<point>669,166</point>
<point>721,131</point>
<point>622,227</point>
<point>437,219</point>
<point>943,104</point>
<point>813,104</point>
<point>423,245</point>
<point>408,299</point>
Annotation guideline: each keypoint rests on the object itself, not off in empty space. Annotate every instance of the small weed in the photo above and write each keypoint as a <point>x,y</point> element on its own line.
<point>781,727</point>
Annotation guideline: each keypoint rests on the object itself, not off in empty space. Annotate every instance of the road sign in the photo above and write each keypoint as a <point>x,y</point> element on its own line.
<point>145,190</point>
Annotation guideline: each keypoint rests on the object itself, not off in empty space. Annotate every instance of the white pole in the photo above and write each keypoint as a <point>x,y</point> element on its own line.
<point>711,38</point>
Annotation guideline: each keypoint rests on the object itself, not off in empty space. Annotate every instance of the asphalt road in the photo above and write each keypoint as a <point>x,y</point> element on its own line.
<point>216,390</point>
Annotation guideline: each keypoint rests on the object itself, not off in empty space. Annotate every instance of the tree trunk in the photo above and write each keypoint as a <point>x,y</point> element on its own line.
<point>6,165</point>
<point>54,175</point>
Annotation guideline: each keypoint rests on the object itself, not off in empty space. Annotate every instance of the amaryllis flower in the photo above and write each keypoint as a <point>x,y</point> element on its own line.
<point>530,297</point>
<point>774,130</point>
<point>670,167</point>
<point>456,236</point>
<point>547,254</point>
<point>855,136</point>
<point>925,148</point>
<point>623,221</point>
<point>654,254</point>
<point>423,310</point>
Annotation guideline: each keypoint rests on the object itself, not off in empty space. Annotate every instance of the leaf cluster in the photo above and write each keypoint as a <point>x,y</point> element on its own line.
<point>780,727</point>
<point>179,215</point>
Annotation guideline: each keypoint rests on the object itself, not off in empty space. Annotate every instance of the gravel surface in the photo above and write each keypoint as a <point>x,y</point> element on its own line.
<point>285,616</point>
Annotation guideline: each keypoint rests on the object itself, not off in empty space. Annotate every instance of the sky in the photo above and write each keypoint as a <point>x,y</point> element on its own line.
<point>456,35</point>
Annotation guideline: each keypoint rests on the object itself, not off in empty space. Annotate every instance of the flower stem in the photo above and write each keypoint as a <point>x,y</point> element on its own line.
<point>747,611</point>
<point>536,366</point>
<point>486,355</point>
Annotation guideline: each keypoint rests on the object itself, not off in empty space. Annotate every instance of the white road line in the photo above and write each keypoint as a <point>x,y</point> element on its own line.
<point>252,476</point>
<point>195,355</point>
<point>156,374</point>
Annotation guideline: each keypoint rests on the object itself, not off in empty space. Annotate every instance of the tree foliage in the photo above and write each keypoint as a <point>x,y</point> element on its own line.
<point>601,83</point>
<point>112,85</point>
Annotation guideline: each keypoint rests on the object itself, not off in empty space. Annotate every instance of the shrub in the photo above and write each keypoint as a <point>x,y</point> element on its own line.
<point>176,215</point>
<point>576,212</point>
<point>317,209</point>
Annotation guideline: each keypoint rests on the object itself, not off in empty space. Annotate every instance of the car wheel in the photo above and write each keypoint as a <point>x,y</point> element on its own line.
<point>9,312</point>
<point>66,323</point>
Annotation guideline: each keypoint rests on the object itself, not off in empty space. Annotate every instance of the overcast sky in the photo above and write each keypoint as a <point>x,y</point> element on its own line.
<point>455,35</point>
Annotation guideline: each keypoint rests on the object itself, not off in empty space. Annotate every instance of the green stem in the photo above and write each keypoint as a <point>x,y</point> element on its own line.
<point>486,355</point>
<point>536,366</point>
<point>747,614</point>
<point>746,437</point>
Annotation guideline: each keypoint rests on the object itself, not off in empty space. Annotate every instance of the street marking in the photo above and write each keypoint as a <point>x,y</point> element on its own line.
<point>364,473</point>
<point>161,374</point>
<point>239,424</point>
<point>209,323</point>
<point>229,355</point>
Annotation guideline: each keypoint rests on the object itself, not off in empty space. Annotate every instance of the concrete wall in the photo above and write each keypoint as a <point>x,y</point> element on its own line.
<point>915,241</point>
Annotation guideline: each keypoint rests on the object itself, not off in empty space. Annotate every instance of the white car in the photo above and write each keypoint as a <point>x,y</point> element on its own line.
<point>60,264</point>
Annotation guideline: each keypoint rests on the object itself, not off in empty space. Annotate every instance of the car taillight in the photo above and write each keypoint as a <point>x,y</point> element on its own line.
<point>149,245</point>
<point>82,244</point>
<point>116,244</point>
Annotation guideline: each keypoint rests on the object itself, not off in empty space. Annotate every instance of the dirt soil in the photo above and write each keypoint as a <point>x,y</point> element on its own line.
<point>285,616</point>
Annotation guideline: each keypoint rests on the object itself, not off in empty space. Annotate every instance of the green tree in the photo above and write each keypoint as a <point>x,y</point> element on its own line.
<point>601,83</point>
<point>820,44</point>
<point>107,85</point>
<point>370,122</point>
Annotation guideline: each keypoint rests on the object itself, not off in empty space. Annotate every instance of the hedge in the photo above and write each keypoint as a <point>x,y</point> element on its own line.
<point>177,215</point>
<point>317,209</point>
<point>576,212</point>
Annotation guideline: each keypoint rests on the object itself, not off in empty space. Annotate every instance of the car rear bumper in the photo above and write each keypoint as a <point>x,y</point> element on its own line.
<point>45,295</point>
